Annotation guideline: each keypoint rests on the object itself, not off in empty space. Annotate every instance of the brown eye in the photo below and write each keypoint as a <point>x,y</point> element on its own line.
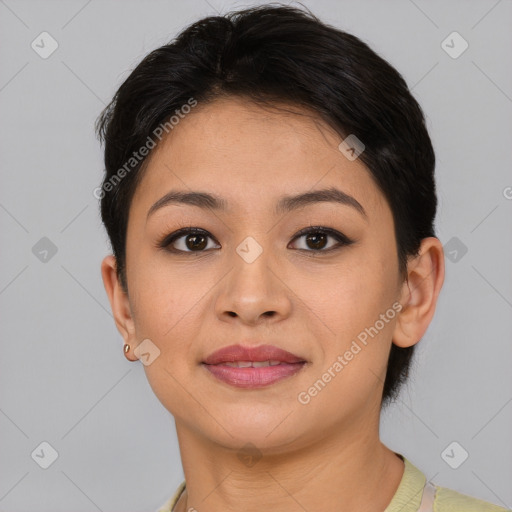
<point>186,240</point>
<point>316,239</point>
<point>194,242</point>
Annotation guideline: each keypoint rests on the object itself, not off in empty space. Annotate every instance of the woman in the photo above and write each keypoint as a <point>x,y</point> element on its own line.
<point>270,199</point>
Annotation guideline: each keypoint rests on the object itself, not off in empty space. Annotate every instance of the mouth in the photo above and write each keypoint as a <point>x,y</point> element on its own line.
<point>252,367</point>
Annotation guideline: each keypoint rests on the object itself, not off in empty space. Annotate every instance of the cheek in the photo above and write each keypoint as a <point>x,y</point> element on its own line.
<point>167,314</point>
<point>166,292</point>
<point>352,293</point>
<point>171,312</point>
<point>355,303</point>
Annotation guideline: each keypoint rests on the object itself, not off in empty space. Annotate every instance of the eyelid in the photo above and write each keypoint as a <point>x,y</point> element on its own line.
<point>323,229</point>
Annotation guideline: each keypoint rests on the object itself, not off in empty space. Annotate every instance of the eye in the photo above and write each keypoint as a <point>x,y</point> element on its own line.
<point>186,240</point>
<point>192,239</point>
<point>316,238</point>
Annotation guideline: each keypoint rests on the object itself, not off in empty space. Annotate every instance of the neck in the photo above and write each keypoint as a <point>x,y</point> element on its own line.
<point>342,471</point>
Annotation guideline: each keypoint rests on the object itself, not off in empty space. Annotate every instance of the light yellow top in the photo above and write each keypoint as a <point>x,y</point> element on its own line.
<point>408,496</point>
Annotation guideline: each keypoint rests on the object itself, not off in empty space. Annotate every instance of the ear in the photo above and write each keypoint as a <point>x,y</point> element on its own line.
<point>425,277</point>
<point>118,302</point>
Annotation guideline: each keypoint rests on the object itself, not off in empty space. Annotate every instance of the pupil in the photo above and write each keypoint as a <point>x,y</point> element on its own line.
<point>315,238</point>
<point>193,244</point>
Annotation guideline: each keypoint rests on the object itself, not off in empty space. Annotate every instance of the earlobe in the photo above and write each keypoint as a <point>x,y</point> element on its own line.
<point>119,301</point>
<point>425,277</point>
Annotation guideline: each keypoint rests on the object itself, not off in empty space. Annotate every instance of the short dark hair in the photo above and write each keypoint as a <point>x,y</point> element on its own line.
<point>276,54</point>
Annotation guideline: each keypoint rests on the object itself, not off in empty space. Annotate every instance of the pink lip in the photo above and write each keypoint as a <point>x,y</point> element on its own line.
<point>235,353</point>
<point>249,377</point>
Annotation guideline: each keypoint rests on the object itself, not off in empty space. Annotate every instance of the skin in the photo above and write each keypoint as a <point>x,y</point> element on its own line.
<point>326,454</point>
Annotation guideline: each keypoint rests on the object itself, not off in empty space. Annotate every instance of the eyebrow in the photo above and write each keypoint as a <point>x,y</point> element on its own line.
<point>285,204</point>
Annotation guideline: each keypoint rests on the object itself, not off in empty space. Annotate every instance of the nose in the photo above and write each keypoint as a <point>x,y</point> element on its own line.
<point>253,292</point>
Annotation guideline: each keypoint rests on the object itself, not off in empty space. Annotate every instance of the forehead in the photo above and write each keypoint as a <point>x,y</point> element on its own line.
<point>251,155</point>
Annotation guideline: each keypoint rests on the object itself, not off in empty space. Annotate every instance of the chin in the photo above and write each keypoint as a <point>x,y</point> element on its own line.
<point>269,435</point>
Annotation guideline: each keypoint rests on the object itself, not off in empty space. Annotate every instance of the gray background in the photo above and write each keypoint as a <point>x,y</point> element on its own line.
<point>63,375</point>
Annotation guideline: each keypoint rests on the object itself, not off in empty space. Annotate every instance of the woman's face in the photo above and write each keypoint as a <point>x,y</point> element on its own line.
<point>248,279</point>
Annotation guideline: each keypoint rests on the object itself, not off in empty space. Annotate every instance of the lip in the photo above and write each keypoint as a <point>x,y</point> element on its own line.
<point>284,364</point>
<point>235,353</point>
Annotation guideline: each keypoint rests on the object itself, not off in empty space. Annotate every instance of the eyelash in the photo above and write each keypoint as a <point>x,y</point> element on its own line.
<point>342,239</point>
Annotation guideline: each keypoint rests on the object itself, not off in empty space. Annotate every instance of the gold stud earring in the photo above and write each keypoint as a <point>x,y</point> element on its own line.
<point>126,348</point>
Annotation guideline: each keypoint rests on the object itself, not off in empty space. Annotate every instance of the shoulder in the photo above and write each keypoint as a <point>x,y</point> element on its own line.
<point>413,495</point>
<point>448,500</point>
<point>171,502</point>
<point>166,507</point>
